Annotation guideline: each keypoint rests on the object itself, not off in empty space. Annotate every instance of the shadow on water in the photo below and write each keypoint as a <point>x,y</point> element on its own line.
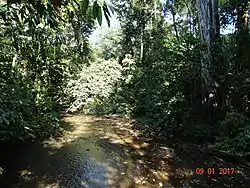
<point>106,152</point>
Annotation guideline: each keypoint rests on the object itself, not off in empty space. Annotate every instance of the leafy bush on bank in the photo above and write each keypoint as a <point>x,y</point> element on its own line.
<point>93,86</point>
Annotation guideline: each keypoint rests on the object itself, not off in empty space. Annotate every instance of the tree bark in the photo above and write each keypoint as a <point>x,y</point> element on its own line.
<point>209,34</point>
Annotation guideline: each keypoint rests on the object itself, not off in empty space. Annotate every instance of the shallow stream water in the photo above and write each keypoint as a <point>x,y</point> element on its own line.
<point>106,152</point>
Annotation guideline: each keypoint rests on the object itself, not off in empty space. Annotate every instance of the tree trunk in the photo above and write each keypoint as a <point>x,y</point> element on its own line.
<point>143,25</point>
<point>209,33</point>
<point>174,20</point>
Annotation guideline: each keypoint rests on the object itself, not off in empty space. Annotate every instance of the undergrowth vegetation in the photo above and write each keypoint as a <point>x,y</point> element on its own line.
<point>37,54</point>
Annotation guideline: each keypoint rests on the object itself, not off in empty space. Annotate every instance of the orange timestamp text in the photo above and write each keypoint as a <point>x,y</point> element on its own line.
<point>212,171</point>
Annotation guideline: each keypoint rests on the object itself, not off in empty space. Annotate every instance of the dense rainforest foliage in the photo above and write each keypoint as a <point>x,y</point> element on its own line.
<point>171,64</point>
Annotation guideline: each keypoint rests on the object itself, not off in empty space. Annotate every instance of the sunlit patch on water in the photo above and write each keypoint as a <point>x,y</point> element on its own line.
<point>26,174</point>
<point>48,185</point>
<point>127,167</point>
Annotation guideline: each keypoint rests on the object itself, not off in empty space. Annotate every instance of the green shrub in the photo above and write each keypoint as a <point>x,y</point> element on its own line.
<point>234,133</point>
<point>93,86</point>
<point>232,125</point>
<point>20,117</point>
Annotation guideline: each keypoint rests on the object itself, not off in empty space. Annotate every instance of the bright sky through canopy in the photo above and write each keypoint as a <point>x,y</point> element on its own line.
<point>114,23</point>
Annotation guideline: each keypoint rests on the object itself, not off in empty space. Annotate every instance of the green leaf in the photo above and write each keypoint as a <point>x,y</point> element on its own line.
<point>106,10</point>
<point>101,2</point>
<point>97,12</point>
<point>106,13</point>
<point>85,5</point>
<point>107,18</point>
<point>99,15</point>
<point>6,121</point>
<point>95,9</point>
<point>3,8</point>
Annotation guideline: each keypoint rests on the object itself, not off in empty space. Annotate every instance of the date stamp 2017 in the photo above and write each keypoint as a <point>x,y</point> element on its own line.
<point>212,171</point>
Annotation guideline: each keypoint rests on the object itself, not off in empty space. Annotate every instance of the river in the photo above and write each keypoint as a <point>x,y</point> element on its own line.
<point>107,152</point>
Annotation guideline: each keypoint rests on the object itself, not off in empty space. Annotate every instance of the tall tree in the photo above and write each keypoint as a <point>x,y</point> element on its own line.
<point>208,18</point>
